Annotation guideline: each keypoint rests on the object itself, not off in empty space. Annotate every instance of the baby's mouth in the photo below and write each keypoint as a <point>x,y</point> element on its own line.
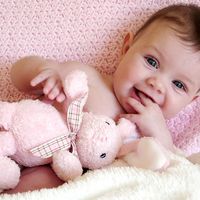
<point>139,94</point>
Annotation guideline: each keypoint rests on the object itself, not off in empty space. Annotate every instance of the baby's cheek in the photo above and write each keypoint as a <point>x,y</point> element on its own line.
<point>170,110</point>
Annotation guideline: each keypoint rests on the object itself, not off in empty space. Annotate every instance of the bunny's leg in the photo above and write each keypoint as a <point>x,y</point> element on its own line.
<point>66,165</point>
<point>10,171</point>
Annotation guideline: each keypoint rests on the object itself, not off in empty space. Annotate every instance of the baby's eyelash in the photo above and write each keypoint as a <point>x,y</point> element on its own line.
<point>153,62</point>
<point>180,85</point>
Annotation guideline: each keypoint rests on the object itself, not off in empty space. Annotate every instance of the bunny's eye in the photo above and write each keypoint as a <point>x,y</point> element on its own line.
<point>108,123</point>
<point>103,155</point>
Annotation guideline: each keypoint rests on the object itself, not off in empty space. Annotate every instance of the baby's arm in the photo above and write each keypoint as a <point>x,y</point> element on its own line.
<point>36,178</point>
<point>36,75</point>
<point>194,158</point>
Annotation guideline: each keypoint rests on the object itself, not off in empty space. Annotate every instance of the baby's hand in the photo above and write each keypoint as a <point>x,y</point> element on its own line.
<point>149,120</point>
<point>52,84</point>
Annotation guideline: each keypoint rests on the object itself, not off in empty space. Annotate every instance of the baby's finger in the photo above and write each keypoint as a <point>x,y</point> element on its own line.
<point>54,92</point>
<point>137,106</point>
<point>41,77</point>
<point>131,117</point>
<point>61,97</point>
<point>49,85</point>
<point>145,100</point>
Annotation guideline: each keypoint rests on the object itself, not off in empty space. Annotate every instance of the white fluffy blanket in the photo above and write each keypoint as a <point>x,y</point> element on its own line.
<point>180,181</point>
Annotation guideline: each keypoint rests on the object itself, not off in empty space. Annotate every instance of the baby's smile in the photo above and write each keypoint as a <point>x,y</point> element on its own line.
<point>138,95</point>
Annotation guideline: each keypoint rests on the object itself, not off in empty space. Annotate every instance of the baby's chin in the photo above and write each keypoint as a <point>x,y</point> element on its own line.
<point>168,116</point>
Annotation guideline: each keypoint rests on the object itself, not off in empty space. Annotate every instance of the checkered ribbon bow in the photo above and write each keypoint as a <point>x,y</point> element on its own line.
<point>74,119</point>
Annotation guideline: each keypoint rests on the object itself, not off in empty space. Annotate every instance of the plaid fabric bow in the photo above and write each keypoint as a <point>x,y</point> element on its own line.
<point>74,119</point>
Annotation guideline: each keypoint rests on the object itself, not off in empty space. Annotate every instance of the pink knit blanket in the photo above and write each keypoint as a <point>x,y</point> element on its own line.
<point>89,31</point>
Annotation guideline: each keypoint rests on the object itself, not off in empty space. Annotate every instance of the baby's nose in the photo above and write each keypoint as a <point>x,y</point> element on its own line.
<point>156,85</point>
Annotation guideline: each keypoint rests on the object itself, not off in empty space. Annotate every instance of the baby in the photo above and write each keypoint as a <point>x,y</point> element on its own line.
<point>157,76</point>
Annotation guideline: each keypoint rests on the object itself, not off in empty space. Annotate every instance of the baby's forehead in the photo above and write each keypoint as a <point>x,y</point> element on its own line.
<point>160,31</point>
<point>164,27</point>
<point>161,26</point>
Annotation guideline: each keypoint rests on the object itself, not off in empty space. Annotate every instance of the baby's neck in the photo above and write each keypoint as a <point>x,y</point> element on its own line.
<point>102,99</point>
<point>108,79</point>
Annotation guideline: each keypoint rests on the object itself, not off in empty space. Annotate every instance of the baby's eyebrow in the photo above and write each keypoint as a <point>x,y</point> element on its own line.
<point>191,82</point>
<point>187,79</point>
<point>154,48</point>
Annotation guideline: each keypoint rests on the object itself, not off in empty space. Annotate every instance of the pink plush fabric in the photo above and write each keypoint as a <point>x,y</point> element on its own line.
<point>89,31</point>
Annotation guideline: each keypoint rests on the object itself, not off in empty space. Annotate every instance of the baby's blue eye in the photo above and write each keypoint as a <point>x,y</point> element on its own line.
<point>152,62</point>
<point>179,85</point>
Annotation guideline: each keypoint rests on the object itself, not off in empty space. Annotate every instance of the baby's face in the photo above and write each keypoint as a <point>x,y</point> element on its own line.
<point>161,66</point>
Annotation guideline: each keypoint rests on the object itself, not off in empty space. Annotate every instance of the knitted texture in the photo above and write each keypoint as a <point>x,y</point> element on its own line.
<point>89,31</point>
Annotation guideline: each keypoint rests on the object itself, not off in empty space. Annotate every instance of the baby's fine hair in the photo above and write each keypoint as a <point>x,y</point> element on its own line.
<point>183,18</point>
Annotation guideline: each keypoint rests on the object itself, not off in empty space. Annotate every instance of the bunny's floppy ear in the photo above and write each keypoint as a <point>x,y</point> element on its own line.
<point>75,113</point>
<point>76,90</point>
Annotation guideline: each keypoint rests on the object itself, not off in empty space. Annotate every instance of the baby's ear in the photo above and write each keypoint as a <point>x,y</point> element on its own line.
<point>128,40</point>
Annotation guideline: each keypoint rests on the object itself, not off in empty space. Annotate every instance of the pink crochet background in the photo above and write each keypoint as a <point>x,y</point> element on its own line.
<point>89,31</point>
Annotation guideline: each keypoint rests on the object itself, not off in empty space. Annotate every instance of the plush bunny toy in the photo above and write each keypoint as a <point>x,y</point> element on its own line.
<point>34,133</point>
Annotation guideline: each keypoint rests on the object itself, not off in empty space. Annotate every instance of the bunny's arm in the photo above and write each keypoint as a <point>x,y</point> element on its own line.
<point>66,165</point>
